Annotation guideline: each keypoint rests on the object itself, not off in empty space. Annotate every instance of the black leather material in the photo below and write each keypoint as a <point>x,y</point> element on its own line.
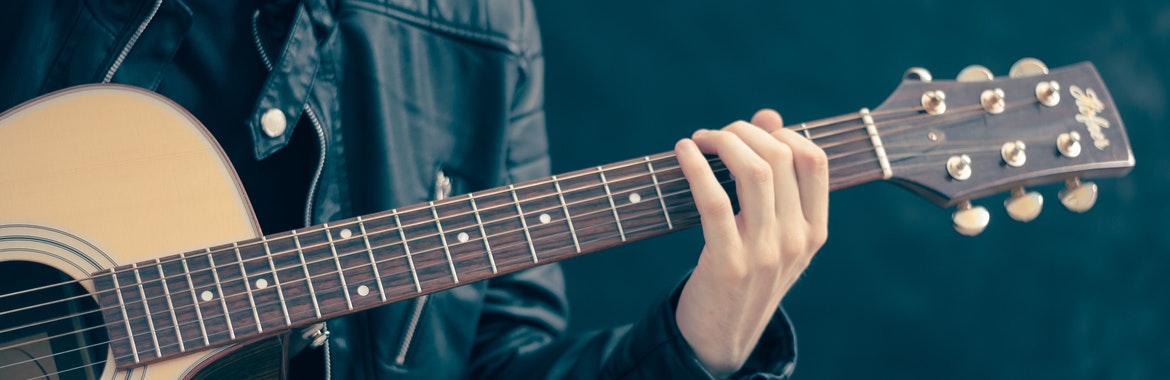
<point>402,90</point>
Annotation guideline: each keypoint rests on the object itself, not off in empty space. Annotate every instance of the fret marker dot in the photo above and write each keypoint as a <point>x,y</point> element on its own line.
<point>462,237</point>
<point>346,233</point>
<point>635,198</point>
<point>206,295</point>
<point>544,218</point>
<point>261,283</point>
<point>363,290</point>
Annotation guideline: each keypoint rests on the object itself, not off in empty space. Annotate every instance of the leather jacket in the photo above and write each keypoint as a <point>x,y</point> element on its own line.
<point>408,99</point>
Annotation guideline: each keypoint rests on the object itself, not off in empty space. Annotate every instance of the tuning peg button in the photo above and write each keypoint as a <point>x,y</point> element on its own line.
<point>934,102</point>
<point>1024,206</point>
<point>1048,93</point>
<point>1013,153</point>
<point>1069,144</point>
<point>918,74</point>
<point>970,220</point>
<point>959,167</point>
<point>1028,67</point>
<point>1078,196</point>
<point>975,73</point>
<point>993,101</point>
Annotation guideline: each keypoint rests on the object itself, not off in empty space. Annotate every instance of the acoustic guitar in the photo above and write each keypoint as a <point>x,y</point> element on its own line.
<point>128,249</point>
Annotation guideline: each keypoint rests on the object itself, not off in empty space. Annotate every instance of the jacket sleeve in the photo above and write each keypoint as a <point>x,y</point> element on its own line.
<point>521,333</point>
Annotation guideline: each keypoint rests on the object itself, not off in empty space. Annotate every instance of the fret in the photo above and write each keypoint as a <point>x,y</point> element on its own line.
<point>676,192</point>
<point>658,190</point>
<point>547,219</point>
<point>487,246</point>
<point>125,316</point>
<point>155,304</point>
<point>406,247</point>
<point>276,280</point>
<point>146,306</point>
<point>337,263</point>
<point>264,293</point>
<point>632,187</point>
<point>524,223</point>
<point>308,277</point>
<point>352,257</point>
<point>289,270</point>
<point>182,308</point>
<point>456,223</point>
<point>568,218</point>
<point>170,305</point>
<point>373,262</point>
<point>443,238</point>
<point>586,199</point>
<point>222,297</point>
<point>194,299</point>
<point>609,195</point>
<point>248,287</point>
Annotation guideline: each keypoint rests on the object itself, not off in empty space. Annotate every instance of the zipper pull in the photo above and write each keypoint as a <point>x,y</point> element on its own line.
<point>442,185</point>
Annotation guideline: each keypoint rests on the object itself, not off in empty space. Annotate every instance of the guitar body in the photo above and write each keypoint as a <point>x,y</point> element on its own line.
<point>92,178</point>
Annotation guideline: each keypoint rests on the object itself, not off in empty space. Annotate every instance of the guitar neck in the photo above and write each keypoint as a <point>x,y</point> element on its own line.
<point>267,285</point>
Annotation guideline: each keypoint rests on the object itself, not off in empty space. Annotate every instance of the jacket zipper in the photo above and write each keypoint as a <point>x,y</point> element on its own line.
<point>308,221</point>
<point>415,316</point>
<point>130,44</point>
<point>442,190</point>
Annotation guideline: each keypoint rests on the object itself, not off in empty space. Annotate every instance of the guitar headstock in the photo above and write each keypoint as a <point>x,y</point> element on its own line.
<point>953,141</point>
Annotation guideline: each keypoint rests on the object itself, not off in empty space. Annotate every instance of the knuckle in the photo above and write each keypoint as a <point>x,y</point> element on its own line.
<point>738,125</point>
<point>759,172</point>
<point>735,271</point>
<point>782,152</point>
<point>769,261</point>
<point>719,205</point>
<point>818,235</point>
<point>815,158</point>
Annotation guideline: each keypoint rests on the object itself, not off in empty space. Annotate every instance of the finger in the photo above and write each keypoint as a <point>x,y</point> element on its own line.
<point>712,202</point>
<point>768,119</point>
<point>812,174</point>
<point>779,159</point>
<point>753,176</point>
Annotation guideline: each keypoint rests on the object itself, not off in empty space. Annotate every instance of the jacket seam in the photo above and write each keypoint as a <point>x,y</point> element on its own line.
<point>98,20</point>
<point>502,43</point>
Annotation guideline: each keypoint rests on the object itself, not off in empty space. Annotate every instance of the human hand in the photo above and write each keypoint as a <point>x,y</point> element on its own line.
<point>752,258</point>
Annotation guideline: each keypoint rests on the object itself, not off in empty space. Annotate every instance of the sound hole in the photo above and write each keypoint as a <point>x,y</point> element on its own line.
<point>48,329</point>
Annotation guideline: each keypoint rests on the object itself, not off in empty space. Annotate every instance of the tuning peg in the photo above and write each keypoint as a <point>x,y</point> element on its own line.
<point>918,74</point>
<point>1028,67</point>
<point>970,220</point>
<point>1024,206</point>
<point>1078,196</point>
<point>975,73</point>
<point>1069,144</point>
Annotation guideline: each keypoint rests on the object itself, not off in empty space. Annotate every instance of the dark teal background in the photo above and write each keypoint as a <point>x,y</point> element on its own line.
<point>895,293</point>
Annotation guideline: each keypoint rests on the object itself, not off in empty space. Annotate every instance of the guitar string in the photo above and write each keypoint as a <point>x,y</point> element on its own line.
<point>828,122</point>
<point>439,264</point>
<point>340,273</point>
<point>425,222</point>
<point>323,260</point>
<point>660,156</point>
